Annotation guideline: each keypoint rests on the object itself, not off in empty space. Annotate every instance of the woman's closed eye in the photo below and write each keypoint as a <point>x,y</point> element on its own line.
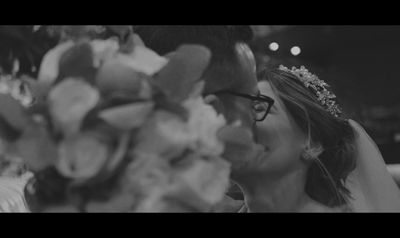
<point>260,107</point>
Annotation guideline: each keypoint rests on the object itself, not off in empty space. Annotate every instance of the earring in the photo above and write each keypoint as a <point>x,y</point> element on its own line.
<point>307,156</point>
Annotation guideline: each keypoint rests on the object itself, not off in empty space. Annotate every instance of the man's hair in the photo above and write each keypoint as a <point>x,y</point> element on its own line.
<point>219,39</point>
<point>223,71</point>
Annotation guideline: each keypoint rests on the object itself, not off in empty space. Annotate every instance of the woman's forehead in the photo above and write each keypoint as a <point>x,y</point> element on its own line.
<point>266,89</point>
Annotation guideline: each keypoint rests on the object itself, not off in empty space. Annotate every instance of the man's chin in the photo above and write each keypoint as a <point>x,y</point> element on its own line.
<point>245,160</point>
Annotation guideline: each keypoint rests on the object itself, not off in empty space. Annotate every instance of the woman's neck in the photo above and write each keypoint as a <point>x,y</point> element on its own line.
<point>268,194</point>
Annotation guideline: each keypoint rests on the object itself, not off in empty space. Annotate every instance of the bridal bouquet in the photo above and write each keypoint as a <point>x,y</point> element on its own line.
<point>118,128</point>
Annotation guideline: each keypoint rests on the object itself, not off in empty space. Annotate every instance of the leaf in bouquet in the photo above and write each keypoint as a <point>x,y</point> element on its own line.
<point>138,41</point>
<point>118,154</point>
<point>184,68</point>
<point>82,156</point>
<point>49,67</point>
<point>128,116</point>
<point>116,76</point>
<point>197,89</point>
<point>209,179</point>
<point>128,45</point>
<point>37,148</point>
<point>78,61</point>
<point>70,101</point>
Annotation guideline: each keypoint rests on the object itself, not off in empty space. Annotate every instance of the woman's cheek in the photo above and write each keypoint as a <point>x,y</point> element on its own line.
<point>267,132</point>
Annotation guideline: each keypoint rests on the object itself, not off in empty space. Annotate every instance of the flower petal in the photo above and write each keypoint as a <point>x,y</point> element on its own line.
<point>164,134</point>
<point>48,71</point>
<point>208,179</point>
<point>103,50</point>
<point>70,101</point>
<point>129,116</point>
<point>146,61</point>
<point>81,156</point>
<point>119,153</point>
<point>117,75</point>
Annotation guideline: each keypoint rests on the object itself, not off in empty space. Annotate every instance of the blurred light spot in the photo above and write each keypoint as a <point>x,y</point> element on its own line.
<point>274,46</point>
<point>36,28</point>
<point>295,50</point>
<point>397,137</point>
<point>15,66</point>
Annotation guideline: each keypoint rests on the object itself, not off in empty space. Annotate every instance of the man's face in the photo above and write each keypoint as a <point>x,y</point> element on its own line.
<point>239,77</point>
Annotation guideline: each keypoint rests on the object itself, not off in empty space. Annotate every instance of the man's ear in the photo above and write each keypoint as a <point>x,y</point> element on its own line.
<point>215,102</point>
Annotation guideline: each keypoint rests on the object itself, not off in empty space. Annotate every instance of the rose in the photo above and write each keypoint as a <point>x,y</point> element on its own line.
<point>207,179</point>
<point>70,101</point>
<point>164,134</point>
<point>82,156</point>
<point>204,124</point>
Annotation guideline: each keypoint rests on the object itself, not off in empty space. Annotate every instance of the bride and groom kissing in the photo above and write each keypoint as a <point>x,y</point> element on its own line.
<point>296,151</point>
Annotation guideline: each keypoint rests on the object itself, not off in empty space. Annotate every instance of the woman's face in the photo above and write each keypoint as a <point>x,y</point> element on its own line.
<point>280,135</point>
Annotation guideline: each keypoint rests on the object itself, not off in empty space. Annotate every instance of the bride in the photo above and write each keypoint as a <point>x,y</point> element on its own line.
<point>314,160</point>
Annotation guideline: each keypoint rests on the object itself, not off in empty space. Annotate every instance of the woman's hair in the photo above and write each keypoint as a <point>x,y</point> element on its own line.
<point>327,174</point>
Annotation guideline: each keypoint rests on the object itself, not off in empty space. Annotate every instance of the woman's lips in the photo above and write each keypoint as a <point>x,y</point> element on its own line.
<point>260,150</point>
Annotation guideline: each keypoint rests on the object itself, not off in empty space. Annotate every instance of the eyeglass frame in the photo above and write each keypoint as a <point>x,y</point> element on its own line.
<point>259,97</point>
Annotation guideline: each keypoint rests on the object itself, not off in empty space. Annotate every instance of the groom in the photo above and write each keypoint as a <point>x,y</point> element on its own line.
<point>232,70</point>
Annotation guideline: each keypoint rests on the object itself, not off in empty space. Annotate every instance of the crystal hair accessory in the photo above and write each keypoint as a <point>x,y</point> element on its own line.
<point>319,87</point>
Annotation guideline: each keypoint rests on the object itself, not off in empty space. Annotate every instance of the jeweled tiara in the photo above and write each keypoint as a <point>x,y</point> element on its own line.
<point>324,96</point>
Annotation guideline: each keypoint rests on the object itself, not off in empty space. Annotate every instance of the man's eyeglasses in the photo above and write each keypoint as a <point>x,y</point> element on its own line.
<point>261,104</point>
